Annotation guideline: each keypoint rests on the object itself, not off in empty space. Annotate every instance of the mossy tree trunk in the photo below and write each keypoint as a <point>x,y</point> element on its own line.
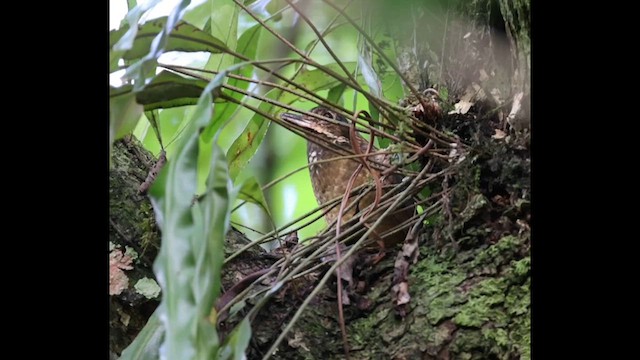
<point>471,285</point>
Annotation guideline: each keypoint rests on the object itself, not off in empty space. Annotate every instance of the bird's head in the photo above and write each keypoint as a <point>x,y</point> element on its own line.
<point>336,131</point>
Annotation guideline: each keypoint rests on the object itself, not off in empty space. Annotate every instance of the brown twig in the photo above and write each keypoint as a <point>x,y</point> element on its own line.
<point>153,173</point>
<point>356,149</point>
<point>353,84</point>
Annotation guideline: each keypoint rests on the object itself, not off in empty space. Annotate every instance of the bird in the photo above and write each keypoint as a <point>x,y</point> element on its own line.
<point>329,179</point>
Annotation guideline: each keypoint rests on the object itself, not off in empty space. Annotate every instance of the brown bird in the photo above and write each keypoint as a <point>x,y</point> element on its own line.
<point>329,179</point>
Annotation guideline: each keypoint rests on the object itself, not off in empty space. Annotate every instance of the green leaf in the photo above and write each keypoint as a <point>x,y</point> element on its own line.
<point>124,113</point>
<point>183,37</point>
<point>146,345</point>
<point>274,6</point>
<point>247,46</point>
<point>317,79</point>
<point>370,76</point>
<point>144,69</point>
<point>174,266</point>
<point>124,37</point>
<point>392,87</point>
<point>190,259</point>
<point>247,143</point>
<point>335,94</point>
<point>153,116</point>
<point>252,192</point>
<point>224,26</point>
<point>167,90</point>
<point>199,15</point>
<point>391,83</point>
<point>238,342</point>
<point>171,123</point>
<point>444,93</point>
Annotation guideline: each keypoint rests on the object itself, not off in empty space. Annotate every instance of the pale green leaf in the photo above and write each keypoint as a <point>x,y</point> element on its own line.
<point>144,69</point>
<point>224,26</point>
<point>246,145</point>
<point>184,37</point>
<point>124,113</point>
<point>190,258</point>
<point>146,345</point>
<point>335,94</point>
<point>370,76</point>
<point>247,46</point>
<point>126,35</point>
<point>237,343</point>
<point>199,15</point>
<point>252,192</point>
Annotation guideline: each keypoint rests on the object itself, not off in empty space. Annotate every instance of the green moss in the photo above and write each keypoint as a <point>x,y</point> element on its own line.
<point>504,249</point>
<point>498,336</point>
<point>360,329</point>
<point>518,300</point>
<point>473,314</point>
<point>484,288</point>
<point>522,266</point>
<point>441,308</point>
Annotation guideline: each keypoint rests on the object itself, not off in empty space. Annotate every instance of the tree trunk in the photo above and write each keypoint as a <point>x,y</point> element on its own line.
<point>471,285</point>
<point>134,241</point>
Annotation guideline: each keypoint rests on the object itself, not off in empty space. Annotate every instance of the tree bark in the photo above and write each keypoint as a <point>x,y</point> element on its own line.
<point>134,241</point>
<point>471,286</point>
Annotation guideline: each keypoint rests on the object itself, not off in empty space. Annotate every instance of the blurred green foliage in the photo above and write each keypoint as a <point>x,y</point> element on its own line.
<point>282,150</point>
<point>221,150</point>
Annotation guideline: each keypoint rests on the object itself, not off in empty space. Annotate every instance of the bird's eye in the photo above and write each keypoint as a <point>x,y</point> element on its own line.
<point>329,114</point>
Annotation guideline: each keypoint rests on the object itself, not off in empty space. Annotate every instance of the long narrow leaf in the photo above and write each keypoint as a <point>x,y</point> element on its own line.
<point>124,113</point>
<point>144,69</point>
<point>246,145</point>
<point>252,192</point>
<point>167,90</point>
<point>237,343</point>
<point>189,262</point>
<point>127,33</point>
<point>147,344</point>
<point>370,76</point>
<point>247,46</point>
<point>184,37</point>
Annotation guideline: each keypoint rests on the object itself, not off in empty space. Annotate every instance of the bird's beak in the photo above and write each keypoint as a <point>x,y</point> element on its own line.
<point>296,119</point>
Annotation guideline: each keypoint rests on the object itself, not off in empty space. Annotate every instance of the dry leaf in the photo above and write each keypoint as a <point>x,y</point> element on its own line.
<point>515,108</point>
<point>402,293</point>
<point>483,75</point>
<point>345,270</point>
<point>499,134</point>
<point>461,107</point>
<point>400,288</point>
